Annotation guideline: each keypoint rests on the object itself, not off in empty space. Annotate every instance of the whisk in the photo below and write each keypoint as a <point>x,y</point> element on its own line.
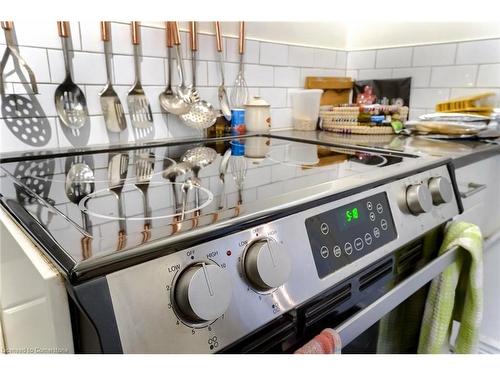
<point>239,170</point>
<point>239,94</point>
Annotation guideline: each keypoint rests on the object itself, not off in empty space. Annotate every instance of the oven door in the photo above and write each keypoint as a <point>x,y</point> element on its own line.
<point>377,310</point>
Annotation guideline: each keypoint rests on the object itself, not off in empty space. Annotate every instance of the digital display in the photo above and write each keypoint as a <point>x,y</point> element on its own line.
<point>351,215</point>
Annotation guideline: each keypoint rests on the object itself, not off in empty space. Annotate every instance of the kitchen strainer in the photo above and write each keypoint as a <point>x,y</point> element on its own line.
<point>202,114</point>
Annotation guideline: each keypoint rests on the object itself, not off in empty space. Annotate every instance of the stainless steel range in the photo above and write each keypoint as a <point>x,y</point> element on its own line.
<point>235,245</point>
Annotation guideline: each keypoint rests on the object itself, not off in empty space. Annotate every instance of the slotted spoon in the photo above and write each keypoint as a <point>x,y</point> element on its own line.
<point>138,104</point>
<point>112,108</point>
<point>70,100</point>
<point>202,114</point>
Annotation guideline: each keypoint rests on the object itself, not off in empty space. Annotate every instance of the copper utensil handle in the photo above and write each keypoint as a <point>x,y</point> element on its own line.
<point>194,36</point>
<point>218,36</point>
<point>242,37</point>
<point>136,33</point>
<point>63,29</point>
<point>176,34</point>
<point>105,34</point>
<point>7,25</point>
<point>169,34</point>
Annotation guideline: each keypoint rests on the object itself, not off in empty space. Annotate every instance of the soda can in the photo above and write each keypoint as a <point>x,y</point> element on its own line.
<point>237,147</point>
<point>238,126</point>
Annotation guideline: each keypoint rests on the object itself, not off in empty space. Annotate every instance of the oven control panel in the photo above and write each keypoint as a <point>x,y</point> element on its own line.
<point>206,297</point>
<point>342,235</point>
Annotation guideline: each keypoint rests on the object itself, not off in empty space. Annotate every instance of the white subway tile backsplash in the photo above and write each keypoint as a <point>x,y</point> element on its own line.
<point>251,52</point>
<point>454,76</point>
<point>420,77</point>
<point>273,54</point>
<point>93,98</point>
<point>436,54</point>
<point>153,42</point>
<point>120,34</point>
<point>394,57</point>
<point>44,35</point>
<point>259,75</point>
<point>324,58</point>
<point>81,72</point>
<point>300,56</point>
<point>91,36</point>
<point>287,77</point>
<point>214,78</point>
<point>415,113</point>
<point>277,97</point>
<point>489,75</point>
<point>428,98</point>
<point>361,59</point>
<point>152,70</point>
<point>80,63</point>
<point>281,118</point>
<point>374,74</point>
<point>341,61</point>
<point>352,74</point>
<point>207,49</point>
<point>479,52</point>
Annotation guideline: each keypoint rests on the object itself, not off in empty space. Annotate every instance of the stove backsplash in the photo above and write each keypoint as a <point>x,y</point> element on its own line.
<point>271,70</point>
<point>438,72</point>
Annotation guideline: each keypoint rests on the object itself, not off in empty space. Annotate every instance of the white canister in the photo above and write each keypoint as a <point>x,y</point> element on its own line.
<point>257,115</point>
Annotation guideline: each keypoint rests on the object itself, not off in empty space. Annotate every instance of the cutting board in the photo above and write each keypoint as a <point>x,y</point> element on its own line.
<point>336,90</point>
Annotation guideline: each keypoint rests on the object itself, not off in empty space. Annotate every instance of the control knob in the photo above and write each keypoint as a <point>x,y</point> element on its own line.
<point>267,265</point>
<point>418,199</point>
<point>203,292</point>
<point>441,190</point>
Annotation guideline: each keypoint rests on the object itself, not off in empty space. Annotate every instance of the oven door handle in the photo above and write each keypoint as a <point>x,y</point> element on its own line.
<point>364,319</point>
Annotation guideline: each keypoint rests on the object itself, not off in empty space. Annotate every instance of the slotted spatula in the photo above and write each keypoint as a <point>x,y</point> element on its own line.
<point>138,104</point>
<point>112,108</point>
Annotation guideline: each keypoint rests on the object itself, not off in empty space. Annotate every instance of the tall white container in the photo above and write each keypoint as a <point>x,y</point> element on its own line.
<point>305,108</point>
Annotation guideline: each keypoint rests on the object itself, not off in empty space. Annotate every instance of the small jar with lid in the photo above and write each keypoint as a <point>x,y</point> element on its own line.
<point>257,115</point>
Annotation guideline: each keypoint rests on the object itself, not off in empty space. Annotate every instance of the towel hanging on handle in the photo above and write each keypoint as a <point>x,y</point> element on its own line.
<point>327,342</point>
<point>456,294</point>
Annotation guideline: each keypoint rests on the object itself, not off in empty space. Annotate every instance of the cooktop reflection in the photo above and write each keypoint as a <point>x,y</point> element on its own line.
<point>94,204</point>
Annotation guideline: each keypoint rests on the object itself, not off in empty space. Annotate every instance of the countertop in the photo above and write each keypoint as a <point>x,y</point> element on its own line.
<point>463,152</point>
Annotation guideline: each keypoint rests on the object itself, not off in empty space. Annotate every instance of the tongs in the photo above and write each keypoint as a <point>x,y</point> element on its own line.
<point>8,27</point>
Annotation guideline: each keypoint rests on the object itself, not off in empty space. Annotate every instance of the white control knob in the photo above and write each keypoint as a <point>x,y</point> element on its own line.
<point>441,190</point>
<point>418,199</point>
<point>203,292</point>
<point>267,264</point>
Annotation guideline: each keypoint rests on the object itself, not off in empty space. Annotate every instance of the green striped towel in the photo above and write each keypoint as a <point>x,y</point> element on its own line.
<point>456,294</point>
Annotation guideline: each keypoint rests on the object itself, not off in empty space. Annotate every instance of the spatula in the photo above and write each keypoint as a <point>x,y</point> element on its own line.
<point>138,104</point>
<point>112,108</point>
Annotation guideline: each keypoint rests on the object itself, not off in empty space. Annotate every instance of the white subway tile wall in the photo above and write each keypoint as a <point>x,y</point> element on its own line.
<point>439,72</point>
<point>271,69</point>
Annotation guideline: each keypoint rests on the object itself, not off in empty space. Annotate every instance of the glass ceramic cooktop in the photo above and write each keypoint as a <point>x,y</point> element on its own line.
<point>97,203</point>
